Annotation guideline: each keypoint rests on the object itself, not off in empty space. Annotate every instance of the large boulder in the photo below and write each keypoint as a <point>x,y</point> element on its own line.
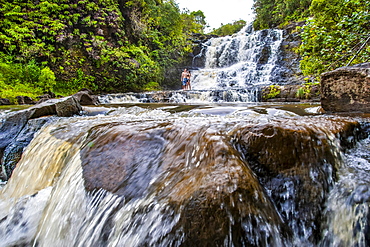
<point>295,163</point>
<point>65,107</point>
<point>240,184</point>
<point>346,89</point>
<point>212,192</point>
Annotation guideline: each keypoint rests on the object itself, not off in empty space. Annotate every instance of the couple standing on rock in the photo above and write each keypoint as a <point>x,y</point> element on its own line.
<point>185,79</point>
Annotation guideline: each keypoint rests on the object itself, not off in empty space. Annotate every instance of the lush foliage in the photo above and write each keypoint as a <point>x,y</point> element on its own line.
<point>229,29</point>
<point>105,45</point>
<point>306,91</point>
<point>194,22</point>
<point>274,13</point>
<point>337,34</point>
<point>272,92</point>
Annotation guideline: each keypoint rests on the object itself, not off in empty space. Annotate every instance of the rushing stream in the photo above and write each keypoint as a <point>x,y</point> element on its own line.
<point>210,167</point>
<point>192,175</point>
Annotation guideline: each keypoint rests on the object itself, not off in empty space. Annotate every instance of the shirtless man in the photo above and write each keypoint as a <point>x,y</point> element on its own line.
<point>184,78</point>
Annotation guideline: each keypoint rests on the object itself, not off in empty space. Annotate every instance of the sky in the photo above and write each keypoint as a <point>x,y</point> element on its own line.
<point>220,12</point>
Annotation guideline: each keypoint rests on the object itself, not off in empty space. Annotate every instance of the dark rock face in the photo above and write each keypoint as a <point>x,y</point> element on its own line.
<point>17,129</point>
<point>13,151</point>
<point>289,71</point>
<point>346,89</point>
<point>295,163</point>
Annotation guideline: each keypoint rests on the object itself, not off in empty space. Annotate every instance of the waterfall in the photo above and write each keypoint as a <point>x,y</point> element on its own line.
<point>247,58</point>
<point>206,176</point>
<point>228,69</point>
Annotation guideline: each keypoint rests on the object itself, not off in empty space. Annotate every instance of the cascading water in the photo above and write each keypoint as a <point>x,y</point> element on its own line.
<point>250,175</point>
<point>243,60</point>
<point>232,70</point>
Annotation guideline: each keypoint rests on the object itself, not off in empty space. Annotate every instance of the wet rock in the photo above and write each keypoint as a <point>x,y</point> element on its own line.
<point>13,151</point>
<point>242,185</point>
<point>289,72</point>
<point>213,190</point>
<point>264,55</point>
<point>121,160</point>
<point>86,97</point>
<point>360,195</point>
<point>65,107</point>
<point>25,100</point>
<point>13,124</point>
<point>4,101</point>
<point>10,127</point>
<point>346,89</point>
<point>219,194</point>
<point>296,164</point>
<point>45,97</point>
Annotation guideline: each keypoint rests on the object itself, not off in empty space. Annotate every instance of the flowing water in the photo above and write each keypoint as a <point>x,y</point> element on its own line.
<point>233,70</point>
<point>197,170</point>
<point>245,59</point>
<point>191,175</point>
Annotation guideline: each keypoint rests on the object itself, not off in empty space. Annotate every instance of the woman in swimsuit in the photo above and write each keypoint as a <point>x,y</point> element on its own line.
<point>184,78</point>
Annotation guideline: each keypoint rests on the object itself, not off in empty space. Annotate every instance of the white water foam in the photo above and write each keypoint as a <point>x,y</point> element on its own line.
<point>246,58</point>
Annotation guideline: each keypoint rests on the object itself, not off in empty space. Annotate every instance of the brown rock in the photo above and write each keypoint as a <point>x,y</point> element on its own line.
<point>213,190</point>
<point>65,107</point>
<point>215,178</point>
<point>25,100</point>
<point>4,101</point>
<point>86,97</point>
<point>346,89</point>
<point>290,156</point>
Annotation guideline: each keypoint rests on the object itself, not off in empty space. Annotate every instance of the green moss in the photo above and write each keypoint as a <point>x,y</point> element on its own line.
<point>306,91</point>
<point>272,92</point>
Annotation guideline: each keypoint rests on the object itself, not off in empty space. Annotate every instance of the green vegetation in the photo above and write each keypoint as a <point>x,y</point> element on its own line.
<point>104,45</point>
<point>336,32</point>
<point>306,91</point>
<point>229,29</point>
<point>275,13</point>
<point>272,92</point>
<point>129,45</point>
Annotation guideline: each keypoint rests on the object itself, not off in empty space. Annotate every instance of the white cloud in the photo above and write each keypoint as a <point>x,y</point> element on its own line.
<point>220,12</point>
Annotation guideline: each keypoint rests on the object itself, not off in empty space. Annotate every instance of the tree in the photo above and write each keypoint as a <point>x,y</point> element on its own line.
<point>230,28</point>
<point>194,22</point>
<point>334,35</point>
<point>274,13</point>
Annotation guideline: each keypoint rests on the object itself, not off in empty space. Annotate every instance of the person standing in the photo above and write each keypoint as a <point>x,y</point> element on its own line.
<point>188,86</point>
<point>184,78</point>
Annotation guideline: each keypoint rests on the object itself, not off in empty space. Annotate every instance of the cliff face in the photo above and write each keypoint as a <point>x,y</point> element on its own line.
<point>106,45</point>
<point>289,60</point>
